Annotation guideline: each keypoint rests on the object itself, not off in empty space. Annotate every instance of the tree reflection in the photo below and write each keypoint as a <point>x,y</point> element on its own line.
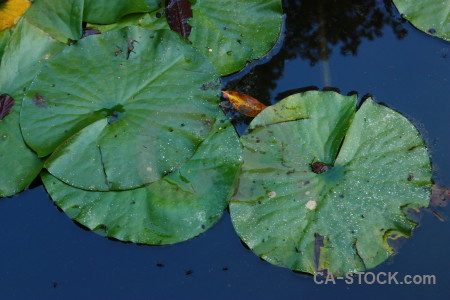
<point>315,28</point>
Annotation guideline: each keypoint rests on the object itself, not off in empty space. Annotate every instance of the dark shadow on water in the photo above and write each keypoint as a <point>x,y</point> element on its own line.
<point>314,29</point>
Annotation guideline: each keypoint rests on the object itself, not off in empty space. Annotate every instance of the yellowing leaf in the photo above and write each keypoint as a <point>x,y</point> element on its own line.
<point>245,104</point>
<point>11,11</point>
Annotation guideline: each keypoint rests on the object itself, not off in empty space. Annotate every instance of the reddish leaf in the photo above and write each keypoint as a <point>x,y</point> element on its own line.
<point>440,195</point>
<point>178,13</point>
<point>6,104</point>
<point>245,104</point>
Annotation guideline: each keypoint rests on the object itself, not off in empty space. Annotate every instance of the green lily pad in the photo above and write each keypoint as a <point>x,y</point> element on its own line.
<point>176,208</point>
<point>327,191</point>
<point>145,20</point>
<point>109,11</point>
<point>229,33</point>
<point>63,19</point>
<point>27,48</point>
<point>124,108</point>
<point>430,16</point>
<point>4,38</point>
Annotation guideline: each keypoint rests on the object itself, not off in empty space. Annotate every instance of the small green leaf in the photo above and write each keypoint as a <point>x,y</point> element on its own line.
<point>27,48</point>
<point>109,11</point>
<point>231,32</point>
<point>62,19</point>
<point>151,20</point>
<point>228,32</point>
<point>328,190</point>
<point>176,208</point>
<point>124,108</point>
<point>430,16</point>
<point>4,38</point>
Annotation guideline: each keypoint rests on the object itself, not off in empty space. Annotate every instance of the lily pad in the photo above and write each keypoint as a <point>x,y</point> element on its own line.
<point>63,19</point>
<point>124,108</point>
<point>27,48</point>
<point>109,11</point>
<point>176,208</point>
<point>232,33</point>
<point>151,20</point>
<point>4,38</point>
<point>326,191</point>
<point>430,16</point>
<point>229,33</point>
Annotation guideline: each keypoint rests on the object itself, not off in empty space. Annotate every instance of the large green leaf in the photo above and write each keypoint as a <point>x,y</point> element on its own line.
<point>430,16</point>
<point>62,19</point>
<point>307,202</point>
<point>124,108</point>
<point>229,33</point>
<point>109,11</point>
<point>176,208</point>
<point>4,38</point>
<point>144,20</point>
<point>28,47</point>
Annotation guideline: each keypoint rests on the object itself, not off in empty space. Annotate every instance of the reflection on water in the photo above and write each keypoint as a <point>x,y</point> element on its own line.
<point>314,29</point>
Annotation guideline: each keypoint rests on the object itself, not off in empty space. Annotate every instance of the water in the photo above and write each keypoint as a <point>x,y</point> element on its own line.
<point>44,254</point>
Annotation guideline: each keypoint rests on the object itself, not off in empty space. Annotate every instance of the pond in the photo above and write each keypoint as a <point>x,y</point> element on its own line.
<point>358,46</point>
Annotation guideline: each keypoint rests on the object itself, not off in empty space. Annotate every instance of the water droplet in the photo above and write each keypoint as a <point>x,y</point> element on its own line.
<point>311,204</point>
<point>271,194</point>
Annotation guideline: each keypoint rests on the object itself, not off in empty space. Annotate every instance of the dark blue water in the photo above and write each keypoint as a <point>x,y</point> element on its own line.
<point>43,254</point>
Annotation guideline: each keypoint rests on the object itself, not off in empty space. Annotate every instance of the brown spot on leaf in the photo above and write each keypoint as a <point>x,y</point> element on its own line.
<point>130,48</point>
<point>208,122</point>
<point>288,172</point>
<point>39,100</point>
<point>89,31</point>
<point>6,105</point>
<point>413,147</point>
<point>118,52</point>
<point>178,14</point>
<point>320,167</point>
